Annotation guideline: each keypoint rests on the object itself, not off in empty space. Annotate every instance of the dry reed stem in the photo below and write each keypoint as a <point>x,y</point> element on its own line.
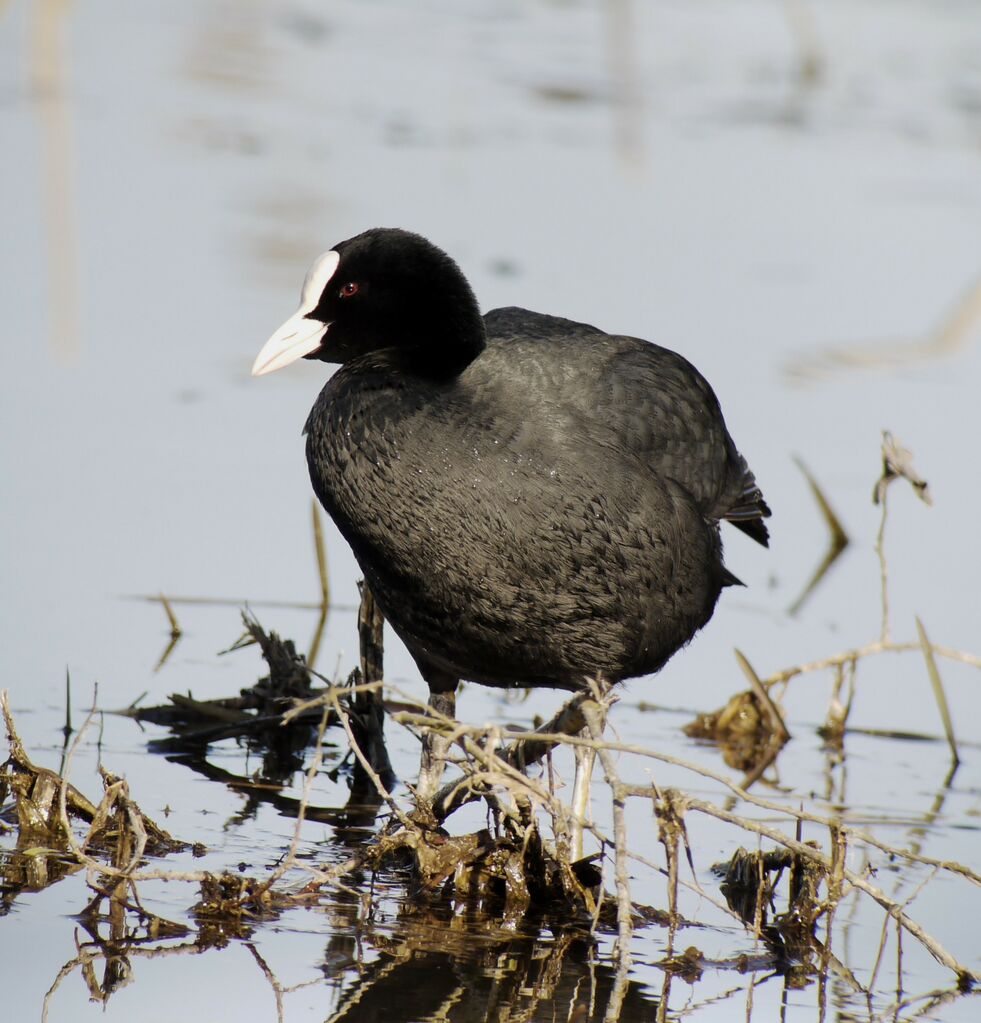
<point>326,697</point>
<point>321,551</point>
<point>311,773</point>
<point>74,847</point>
<point>95,867</point>
<point>837,532</point>
<point>893,908</point>
<point>568,720</point>
<point>595,722</point>
<point>372,774</point>
<point>777,724</point>
<point>868,650</point>
<point>938,691</point>
<point>954,331</point>
<point>175,630</point>
<point>475,733</point>
<point>670,826</point>
<point>837,538</point>
<point>834,865</point>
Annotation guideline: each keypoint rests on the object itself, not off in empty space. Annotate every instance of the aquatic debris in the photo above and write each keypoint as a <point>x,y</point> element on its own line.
<point>45,802</point>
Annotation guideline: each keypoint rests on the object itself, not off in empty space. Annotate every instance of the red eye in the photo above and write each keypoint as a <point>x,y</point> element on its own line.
<point>349,289</point>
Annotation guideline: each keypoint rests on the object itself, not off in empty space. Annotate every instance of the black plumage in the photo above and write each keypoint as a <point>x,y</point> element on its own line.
<point>531,500</point>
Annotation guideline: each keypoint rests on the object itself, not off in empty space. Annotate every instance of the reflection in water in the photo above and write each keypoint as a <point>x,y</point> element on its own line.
<point>957,330</point>
<point>837,540</point>
<point>231,50</point>
<point>435,966</point>
<point>115,938</point>
<point>426,965</point>
<point>629,108</point>
<point>810,58</point>
<point>57,174</point>
<point>232,54</point>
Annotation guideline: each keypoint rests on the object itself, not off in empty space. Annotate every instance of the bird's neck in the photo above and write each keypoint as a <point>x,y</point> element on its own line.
<point>451,342</point>
<point>442,341</point>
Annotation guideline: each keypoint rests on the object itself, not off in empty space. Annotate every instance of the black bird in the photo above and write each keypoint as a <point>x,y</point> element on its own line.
<point>531,500</point>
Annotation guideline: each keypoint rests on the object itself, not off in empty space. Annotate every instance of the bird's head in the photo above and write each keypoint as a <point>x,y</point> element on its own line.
<point>385,289</point>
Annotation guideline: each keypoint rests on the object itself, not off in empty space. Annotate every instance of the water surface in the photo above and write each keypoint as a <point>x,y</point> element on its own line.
<point>789,194</point>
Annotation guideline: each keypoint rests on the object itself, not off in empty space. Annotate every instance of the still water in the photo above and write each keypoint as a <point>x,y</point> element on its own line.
<point>787,193</point>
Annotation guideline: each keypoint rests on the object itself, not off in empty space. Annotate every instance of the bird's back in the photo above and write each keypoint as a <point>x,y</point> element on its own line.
<point>549,513</point>
<point>631,396</point>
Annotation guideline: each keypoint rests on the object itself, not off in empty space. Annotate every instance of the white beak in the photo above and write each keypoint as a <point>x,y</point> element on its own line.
<point>299,335</point>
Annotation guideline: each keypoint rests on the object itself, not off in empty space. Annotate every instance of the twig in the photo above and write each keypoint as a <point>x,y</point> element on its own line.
<point>594,721</point>
<point>290,858</point>
<point>85,958</point>
<point>475,733</point>
<point>885,928</point>
<point>372,774</point>
<point>521,754</point>
<point>175,630</point>
<point>868,650</point>
<point>964,973</point>
<point>327,696</point>
<point>777,724</point>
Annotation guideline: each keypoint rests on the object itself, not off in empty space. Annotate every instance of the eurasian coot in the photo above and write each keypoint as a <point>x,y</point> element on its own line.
<point>531,500</point>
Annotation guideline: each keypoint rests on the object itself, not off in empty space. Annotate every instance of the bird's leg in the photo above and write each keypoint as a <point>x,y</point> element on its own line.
<point>435,745</point>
